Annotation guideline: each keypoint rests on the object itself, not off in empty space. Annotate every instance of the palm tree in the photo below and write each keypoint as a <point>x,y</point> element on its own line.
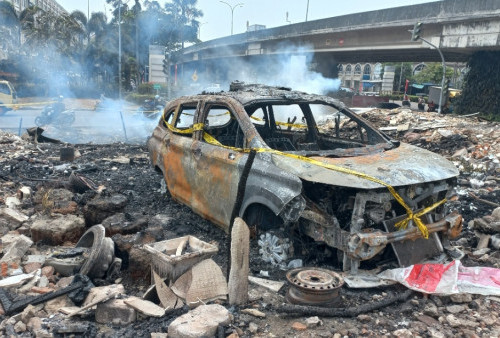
<point>81,19</point>
<point>27,20</point>
<point>185,13</point>
<point>9,25</point>
<point>97,25</point>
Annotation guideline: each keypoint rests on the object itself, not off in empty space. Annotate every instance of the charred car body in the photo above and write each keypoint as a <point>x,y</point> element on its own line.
<point>320,172</point>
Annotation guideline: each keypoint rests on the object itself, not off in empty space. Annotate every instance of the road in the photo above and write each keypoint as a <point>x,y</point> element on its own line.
<point>103,125</point>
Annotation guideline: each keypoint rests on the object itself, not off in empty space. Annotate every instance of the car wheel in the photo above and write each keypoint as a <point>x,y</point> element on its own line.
<point>38,121</point>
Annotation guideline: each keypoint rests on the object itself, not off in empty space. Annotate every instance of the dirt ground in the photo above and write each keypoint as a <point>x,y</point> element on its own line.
<point>36,166</point>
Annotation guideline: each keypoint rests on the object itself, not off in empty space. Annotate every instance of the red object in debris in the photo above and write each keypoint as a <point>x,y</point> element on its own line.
<point>41,290</point>
<point>427,276</point>
<point>341,42</point>
<point>5,269</point>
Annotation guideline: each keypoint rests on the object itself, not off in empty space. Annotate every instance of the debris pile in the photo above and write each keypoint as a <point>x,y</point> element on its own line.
<point>90,245</point>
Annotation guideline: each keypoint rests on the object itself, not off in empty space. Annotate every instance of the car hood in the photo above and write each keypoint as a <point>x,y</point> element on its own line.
<point>403,165</point>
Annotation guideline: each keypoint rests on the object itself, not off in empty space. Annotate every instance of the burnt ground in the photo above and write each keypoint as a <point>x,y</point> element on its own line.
<point>38,165</point>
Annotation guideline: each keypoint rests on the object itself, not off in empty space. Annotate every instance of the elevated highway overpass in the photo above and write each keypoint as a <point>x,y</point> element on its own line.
<point>458,27</point>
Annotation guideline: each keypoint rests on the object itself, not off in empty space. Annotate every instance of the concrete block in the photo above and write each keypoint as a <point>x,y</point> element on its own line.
<point>16,250</point>
<point>57,230</point>
<point>53,305</point>
<point>102,292</point>
<point>200,322</point>
<point>115,312</point>
<point>13,217</point>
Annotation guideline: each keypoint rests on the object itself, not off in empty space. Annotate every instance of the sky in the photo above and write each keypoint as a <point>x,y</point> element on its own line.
<point>216,20</point>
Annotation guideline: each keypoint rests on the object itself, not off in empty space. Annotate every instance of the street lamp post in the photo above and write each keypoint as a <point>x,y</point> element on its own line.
<point>199,29</point>
<point>232,11</point>
<point>444,72</point>
<point>416,35</point>
<point>120,50</point>
<point>307,9</point>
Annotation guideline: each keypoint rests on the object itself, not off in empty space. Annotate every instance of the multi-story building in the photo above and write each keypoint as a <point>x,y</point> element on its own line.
<point>361,77</point>
<point>374,78</point>
<point>46,5</point>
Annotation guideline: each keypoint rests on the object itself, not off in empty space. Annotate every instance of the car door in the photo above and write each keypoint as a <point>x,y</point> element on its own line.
<point>178,161</point>
<point>218,166</point>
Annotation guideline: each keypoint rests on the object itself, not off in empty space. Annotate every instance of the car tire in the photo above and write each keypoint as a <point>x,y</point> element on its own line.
<point>39,121</point>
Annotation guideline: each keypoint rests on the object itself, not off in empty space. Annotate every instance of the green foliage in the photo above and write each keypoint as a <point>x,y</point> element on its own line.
<point>138,98</point>
<point>145,88</point>
<point>70,43</point>
<point>433,73</point>
<point>399,97</point>
<point>482,86</point>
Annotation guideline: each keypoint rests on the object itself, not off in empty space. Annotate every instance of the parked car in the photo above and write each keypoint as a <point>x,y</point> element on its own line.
<point>322,174</point>
<point>8,97</point>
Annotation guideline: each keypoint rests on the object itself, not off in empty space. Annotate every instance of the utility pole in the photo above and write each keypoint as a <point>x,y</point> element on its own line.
<point>307,9</point>
<point>415,35</point>
<point>400,76</point>
<point>232,11</point>
<point>120,50</point>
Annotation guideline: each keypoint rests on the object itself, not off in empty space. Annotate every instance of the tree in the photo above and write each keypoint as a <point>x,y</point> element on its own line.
<point>9,26</point>
<point>480,93</point>
<point>80,18</point>
<point>432,73</point>
<point>184,14</point>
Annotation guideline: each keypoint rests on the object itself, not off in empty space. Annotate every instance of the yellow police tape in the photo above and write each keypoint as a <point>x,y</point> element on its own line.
<point>415,217</point>
<point>17,105</point>
<point>278,123</point>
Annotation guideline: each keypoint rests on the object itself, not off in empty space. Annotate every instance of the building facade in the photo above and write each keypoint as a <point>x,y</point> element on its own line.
<point>374,78</point>
<point>361,77</point>
<point>156,57</point>
<point>46,5</point>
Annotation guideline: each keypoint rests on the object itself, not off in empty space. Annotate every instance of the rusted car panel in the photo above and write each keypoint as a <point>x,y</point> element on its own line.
<point>403,165</point>
<point>201,146</point>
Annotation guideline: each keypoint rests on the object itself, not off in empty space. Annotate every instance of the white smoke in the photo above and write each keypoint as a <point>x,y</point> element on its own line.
<point>287,66</point>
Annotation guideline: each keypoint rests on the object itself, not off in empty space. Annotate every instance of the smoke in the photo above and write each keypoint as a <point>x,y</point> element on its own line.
<point>111,121</point>
<point>288,66</point>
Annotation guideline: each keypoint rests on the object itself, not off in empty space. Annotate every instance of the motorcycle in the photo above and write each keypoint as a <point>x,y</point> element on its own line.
<point>56,114</point>
<point>152,108</point>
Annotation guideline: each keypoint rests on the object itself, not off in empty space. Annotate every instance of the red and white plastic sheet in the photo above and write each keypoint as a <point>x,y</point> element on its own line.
<point>447,278</point>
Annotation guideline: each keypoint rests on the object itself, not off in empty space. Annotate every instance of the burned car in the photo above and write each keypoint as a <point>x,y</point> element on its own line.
<point>321,173</point>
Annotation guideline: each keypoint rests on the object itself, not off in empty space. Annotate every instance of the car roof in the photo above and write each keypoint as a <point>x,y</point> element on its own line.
<point>248,94</point>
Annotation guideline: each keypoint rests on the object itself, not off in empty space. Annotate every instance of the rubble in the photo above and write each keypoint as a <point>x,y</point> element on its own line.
<point>58,229</point>
<point>145,307</point>
<point>200,322</point>
<point>14,218</point>
<point>34,186</point>
<point>15,251</point>
<point>116,312</point>
<point>203,283</point>
<point>268,284</point>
